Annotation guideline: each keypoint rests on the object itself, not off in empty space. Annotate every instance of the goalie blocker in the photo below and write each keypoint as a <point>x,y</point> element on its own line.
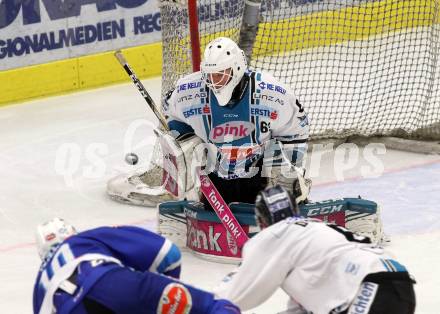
<point>190,226</point>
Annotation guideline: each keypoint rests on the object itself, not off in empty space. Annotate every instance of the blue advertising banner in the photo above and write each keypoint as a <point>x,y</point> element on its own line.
<point>40,31</point>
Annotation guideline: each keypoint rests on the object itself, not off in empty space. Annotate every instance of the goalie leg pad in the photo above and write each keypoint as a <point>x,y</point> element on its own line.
<point>204,234</point>
<point>172,222</point>
<point>358,215</point>
<point>369,225</point>
<point>190,226</point>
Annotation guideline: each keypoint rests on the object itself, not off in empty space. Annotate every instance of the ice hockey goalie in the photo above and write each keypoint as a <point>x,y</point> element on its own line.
<point>253,127</point>
<point>246,129</point>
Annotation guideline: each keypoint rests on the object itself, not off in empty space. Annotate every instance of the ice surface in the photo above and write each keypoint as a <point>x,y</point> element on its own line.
<point>56,155</point>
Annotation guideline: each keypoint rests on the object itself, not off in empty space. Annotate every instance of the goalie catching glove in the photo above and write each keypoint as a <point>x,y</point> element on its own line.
<point>170,170</point>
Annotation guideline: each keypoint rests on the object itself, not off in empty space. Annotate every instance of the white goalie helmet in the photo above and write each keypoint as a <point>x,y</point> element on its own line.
<point>52,233</point>
<point>223,67</point>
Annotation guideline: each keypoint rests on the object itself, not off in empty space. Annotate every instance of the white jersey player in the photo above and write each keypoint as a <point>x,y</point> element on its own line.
<point>323,268</point>
<point>243,115</point>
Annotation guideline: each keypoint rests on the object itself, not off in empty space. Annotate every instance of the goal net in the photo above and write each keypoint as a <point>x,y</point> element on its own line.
<point>360,67</point>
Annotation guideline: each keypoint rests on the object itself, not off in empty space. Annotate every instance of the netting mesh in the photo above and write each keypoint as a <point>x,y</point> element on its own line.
<point>360,67</point>
<point>216,18</point>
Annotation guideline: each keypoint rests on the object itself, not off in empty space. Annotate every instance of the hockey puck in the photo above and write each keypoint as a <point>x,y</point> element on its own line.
<point>131,158</point>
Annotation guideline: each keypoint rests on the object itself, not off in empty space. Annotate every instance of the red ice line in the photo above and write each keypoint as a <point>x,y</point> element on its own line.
<point>422,164</point>
<point>7,249</point>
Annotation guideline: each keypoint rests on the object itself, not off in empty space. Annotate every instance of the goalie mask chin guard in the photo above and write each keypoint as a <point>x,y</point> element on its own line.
<point>52,233</point>
<point>223,57</point>
<point>273,205</point>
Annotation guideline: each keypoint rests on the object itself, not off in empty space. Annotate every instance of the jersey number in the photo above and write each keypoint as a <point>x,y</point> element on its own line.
<point>264,126</point>
<point>301,108</point>
<point>61,258</point>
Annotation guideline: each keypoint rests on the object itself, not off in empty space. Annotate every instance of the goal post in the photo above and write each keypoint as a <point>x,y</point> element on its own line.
<point>220,18</point>
<point>194,34</point>
<point>361,67</point>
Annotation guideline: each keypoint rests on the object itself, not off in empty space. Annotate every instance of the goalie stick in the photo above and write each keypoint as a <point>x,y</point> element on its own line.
<point>208,189</point>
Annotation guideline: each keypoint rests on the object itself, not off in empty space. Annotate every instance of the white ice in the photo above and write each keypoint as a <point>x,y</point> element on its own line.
<point>56,155</point>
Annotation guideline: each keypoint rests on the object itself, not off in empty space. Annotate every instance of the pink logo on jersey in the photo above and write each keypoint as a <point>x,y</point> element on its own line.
<point>231,131</point>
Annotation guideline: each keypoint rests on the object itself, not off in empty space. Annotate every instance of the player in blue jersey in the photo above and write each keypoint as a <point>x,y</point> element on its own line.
<point>114,270</point>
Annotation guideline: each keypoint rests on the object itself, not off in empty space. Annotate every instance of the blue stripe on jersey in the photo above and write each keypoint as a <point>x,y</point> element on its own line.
<point>392,265</point>
<point>49,271</point>
<point>172,257</point>
<point>61,260</point>
<point>396,265</point>
<point>180,127</point>
<point>257,127</point>
<point>206,125</point>
<point>385,265</point>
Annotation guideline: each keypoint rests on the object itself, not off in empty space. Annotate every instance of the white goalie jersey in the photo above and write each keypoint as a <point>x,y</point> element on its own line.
<point>263,116</point>
<point>268,105</point>
<point>314,264</point>
<point>264,109</point>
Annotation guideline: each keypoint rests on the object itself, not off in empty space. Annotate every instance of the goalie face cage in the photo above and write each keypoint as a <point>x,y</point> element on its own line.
<point>361,67</point>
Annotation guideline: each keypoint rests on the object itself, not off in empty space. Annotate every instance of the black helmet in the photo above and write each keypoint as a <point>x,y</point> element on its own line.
<point>274,204</point>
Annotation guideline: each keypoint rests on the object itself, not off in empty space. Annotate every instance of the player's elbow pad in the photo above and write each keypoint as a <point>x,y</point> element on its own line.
<point>171,264</point>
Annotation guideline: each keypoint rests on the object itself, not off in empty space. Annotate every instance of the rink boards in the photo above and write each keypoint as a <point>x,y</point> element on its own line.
<point>83,70</point>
